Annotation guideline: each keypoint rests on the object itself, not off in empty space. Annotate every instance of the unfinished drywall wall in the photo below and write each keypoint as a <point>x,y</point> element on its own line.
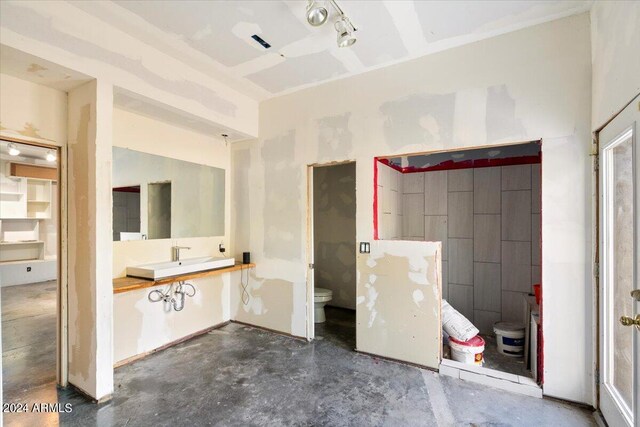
<point>90,291</point>
<point>334,233</point>
<point>151,136</point>
<point>553,106</point>
<point>140,326</point>
<point>32,111</point>
<point>398,314</point>
<point>615,43</point>
<point>65,34</point>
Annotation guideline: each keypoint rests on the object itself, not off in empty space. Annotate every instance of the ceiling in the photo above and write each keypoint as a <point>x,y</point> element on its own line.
<point>215,36</point>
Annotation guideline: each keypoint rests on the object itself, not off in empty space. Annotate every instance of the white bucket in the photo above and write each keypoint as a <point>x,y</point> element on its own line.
<point>510,338</point>
<point>469,352</point>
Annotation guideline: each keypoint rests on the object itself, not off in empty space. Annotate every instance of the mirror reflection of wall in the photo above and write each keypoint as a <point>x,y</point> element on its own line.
<point>175,198</point>
<point>159,210</point>
<point>126,213</point>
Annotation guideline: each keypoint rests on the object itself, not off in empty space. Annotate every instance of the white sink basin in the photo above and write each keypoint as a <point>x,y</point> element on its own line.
<point>161,270</point>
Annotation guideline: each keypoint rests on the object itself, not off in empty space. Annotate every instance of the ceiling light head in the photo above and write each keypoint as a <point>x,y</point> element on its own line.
<point>345,32</point>
<point>51,156</point>
<point>316,14</point>
<point>13,150</point>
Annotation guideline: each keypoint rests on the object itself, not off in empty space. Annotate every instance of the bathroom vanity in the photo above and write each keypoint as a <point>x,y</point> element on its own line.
<point>141,327</point>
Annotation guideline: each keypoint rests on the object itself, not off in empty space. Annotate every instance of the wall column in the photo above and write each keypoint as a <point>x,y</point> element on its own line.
<point>90,240</point>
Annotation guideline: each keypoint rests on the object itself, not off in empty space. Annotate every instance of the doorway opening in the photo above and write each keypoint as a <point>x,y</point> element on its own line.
<point>31,259</point>
<point>484,205</point>
<point>332,207</point>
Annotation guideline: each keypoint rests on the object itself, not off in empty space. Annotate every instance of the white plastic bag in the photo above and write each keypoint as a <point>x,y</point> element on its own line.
<point>455,324</point>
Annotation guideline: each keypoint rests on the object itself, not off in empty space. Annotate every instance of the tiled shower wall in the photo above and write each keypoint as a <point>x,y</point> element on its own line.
<point>389,203</point>
<point>489,222</point>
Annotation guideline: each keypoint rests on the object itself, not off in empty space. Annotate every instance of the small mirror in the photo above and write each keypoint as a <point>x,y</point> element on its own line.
<point>157,197</point>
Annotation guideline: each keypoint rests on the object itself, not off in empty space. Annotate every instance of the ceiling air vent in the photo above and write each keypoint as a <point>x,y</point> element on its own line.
<point>259,39</point>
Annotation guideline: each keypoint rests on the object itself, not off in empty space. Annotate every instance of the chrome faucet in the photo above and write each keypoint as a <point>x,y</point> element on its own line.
<point>175,252</point>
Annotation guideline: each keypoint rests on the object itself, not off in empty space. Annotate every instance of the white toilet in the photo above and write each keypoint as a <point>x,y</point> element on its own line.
<point>321,296</point>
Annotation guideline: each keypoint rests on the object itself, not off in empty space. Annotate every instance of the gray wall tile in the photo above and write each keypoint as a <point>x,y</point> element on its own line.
<point>461,261</point>
<point>486,287</point>
<point>513,307</point>
<point>516,177</point>
<point>486,190</point>
<point>413,183</point>
<point>413,215</point>
<point>461,298</point>
<point>484,320</point>
<point>536,248</point>
<point>536,183</point>
<point>460,180</point>
<point>516,215</point>
<point>435,193</point>
<point>445,280</point>
<point>460,208</point>
<point>516,266</point>
<point>435,230</point>
<point>486,238</point>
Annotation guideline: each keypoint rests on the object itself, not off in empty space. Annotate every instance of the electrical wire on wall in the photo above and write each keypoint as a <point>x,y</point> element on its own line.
<point>245,284</point>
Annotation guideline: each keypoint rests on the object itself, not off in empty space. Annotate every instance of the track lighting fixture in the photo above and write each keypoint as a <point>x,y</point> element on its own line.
<point>317,15</point>
<point>13,150</point>
<point>51,157</point>
<point>345,32</point>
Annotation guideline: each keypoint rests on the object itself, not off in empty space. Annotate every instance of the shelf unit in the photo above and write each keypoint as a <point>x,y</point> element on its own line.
<point>21,251</point>
<point>24,203</point>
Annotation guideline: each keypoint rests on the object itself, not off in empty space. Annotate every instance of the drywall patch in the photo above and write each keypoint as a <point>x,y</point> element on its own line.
<point>335,140</point>
<point>30,131</point>
<point>282,181</point>
<point>501,115</point>
<point>270,303</point>
<point>298,71</point>
<point>425,119</point>
<point>83,345</point>
<point>382,45</point>
<point>36,68</point>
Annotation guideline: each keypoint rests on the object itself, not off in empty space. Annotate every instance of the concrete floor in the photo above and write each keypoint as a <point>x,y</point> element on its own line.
<point>28,337</point>
<point>238,375</point>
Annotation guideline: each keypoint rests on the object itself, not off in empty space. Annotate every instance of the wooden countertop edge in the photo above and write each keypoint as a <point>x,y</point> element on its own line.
<point>126,284</point>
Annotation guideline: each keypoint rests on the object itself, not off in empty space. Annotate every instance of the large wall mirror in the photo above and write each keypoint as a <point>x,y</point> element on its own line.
<point>157,197</point>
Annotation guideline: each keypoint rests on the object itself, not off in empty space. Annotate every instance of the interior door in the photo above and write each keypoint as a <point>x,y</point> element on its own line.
<point>619,266</point>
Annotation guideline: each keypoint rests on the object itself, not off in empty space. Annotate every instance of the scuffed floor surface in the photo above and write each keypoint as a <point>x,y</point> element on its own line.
<point>28,346</point>
<point>240,376</point>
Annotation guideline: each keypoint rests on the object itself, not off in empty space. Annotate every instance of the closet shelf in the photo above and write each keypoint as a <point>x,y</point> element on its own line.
<point>31,242</point>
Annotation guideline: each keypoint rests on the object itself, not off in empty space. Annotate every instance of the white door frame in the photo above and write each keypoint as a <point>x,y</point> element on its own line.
<point>62,331</point>
<point>623,126</point>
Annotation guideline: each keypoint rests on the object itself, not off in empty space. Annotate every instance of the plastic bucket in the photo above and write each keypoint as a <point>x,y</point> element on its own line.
<point>469,352</point>
<point>510,338</point>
